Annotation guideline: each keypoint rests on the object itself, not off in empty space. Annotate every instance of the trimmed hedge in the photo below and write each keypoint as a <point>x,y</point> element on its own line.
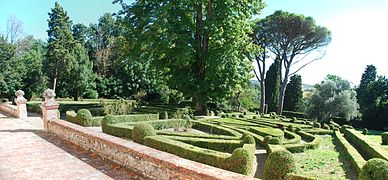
<point>319,131</point>
<point>214,144</point>
<point>374,169</point>
<point>215,129</point>
<point>384,138</point>
<point>141,131</point>
<point>291,138</point>
<point>351,153</point>
<point>242,160</point>
<point>278,165</point>
<point>312,143</point>
<point>196,135</point>
<point>367,149</point>
<point>262,131</point>
<point>83,118</point>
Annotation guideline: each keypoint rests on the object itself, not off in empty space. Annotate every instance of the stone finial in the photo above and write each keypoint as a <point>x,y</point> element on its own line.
<point>49,98</point>
<point>20,97</point>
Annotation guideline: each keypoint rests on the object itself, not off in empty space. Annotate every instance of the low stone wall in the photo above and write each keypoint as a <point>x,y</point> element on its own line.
<point>151,163</point>
<point>9,108</point>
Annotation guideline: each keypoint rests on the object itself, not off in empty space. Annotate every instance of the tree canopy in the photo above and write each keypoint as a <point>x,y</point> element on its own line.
<point>294,94</point>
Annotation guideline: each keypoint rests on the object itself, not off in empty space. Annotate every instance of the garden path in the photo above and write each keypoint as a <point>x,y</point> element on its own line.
<point>28,152</point>
<point>261,156</point>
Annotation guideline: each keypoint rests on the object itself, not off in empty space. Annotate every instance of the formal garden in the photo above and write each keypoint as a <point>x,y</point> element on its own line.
<point>306,148</point>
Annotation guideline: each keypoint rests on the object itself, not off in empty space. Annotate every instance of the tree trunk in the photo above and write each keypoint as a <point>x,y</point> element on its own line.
<point>55,84</point>
<point>75,96</point>
<point>283,88</point>
<point>262,96</point>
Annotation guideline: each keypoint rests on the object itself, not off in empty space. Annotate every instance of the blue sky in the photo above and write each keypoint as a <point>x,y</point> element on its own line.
<point>359,29</point>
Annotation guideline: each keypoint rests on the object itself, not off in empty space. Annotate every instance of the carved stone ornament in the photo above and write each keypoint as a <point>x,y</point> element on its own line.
<point>20,97</point>
<point>49,98</point>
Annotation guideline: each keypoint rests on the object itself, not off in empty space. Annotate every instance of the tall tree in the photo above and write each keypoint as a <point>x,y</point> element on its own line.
<point>81,78</point>
<point>291,38</point>
<point>272,82</point>
<point>199,45</point>
<point>363,98</point>
<point>60,49</point>
<point>14,29</point>
<point>333,97</point>
<point>10,78</point>
<point>294,94</point>
<point>375,115</point>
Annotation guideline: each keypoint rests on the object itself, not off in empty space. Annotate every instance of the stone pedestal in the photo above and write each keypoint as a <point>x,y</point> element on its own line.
<point>49,108</point>
<point>21,104</point>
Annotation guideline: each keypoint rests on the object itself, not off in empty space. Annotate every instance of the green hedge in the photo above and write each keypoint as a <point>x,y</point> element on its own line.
<point>214,144</point>
<point>215,129</point>
<point>374,169</point>
<point>291,114</point>
<point>83,118</point>
<point>291,138</point>
<point>368,149</point>
<point>351,153</point>
<point>312,143</point>
<point>196,135</point>
<point>242,160</point>
<point>278,165</point>
<point>319,131</point>
<point>262,131</point>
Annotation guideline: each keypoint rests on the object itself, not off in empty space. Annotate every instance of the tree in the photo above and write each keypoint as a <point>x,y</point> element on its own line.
<point>10,78</point>
<point>272,82</point>
<point>294,94</point>
<point>292,37</point>
<point>14,29</point>
<point>367,77</point>
<point>375,115</point>
<point>333,97</point>
<point>81,79</point>
<point>81,33</point>
<point>198,45</point>
<point>60,49</point>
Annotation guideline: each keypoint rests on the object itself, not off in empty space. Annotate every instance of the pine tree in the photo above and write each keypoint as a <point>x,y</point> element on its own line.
<point>294,94</point>
<point>272,86</point>
<point>60,59</point>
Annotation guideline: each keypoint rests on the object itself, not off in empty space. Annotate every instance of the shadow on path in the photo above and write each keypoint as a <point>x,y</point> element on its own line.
<point>261,156</point>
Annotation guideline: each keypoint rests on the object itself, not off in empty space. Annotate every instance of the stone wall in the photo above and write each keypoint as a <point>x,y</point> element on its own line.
<point>9,108</point>
<point>149,162</point>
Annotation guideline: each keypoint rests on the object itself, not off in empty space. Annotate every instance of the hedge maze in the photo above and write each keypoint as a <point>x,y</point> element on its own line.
<point>230,142</point>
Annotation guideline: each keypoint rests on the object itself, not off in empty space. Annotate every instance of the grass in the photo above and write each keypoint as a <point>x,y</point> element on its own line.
<point>374,136</point>
<point>326,162</point>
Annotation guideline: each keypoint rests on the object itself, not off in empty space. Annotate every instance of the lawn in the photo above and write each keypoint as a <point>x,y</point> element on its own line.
<point>326,162</point>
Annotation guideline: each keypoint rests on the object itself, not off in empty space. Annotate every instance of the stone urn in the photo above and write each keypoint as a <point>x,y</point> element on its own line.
<point>20,97</point>
<point>49,98</point>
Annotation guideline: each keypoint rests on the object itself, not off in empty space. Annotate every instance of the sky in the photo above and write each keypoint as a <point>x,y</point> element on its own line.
<point>359,29</point>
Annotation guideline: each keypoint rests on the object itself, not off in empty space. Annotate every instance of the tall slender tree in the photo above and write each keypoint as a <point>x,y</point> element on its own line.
<point>294,94</point>
<point>199,45</point>
<point>272,82</point>
<point>363,98</point>
<point>60,49</point>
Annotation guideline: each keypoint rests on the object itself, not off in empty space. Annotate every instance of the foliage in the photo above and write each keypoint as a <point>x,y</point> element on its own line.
<point>376,169</point>
<point>365,131</point>
<point>369,75</point>
<point>118,107</point>
<point>384,138</point>
<point>272,86</point>
<point>141,131</point>
<point>291,37</point>
<point>275,170</point>
<point>333,97</point>
<point>60,60</point>
<point>198,45</point>
<point>83,117</point>
<point>294,94</point>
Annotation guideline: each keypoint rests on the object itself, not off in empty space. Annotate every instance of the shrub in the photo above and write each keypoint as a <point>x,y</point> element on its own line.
<point>118,107</point>
<point>254,117</point>
<point>217,112</point>
<point>248,139</point>
<point>233,115</point>
<point>244,113</point>
<point>332,126</point>
<point>345,127</point>
<point>186,117</point>
<point>278,165</point>
<point>163,115</point>
<point>241,161</point>
<point>84,114</point>
<point>241,116</point>
<point>293,120</point>
<point>141,131</point>
<point>317,125</point>
<point>298,129</point>
<point>365,131</point>
<point>290,128</point>
<point>227,115</point>
<point>325,126</point>
<point>272,140</point>
<point>384,138</point>
<point>223,115</point>
<point>374,169</point>
<point>257,112</point>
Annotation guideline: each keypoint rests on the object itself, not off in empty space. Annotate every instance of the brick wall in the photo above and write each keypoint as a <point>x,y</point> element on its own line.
<point>149,162</point>
<point>10,109</point>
